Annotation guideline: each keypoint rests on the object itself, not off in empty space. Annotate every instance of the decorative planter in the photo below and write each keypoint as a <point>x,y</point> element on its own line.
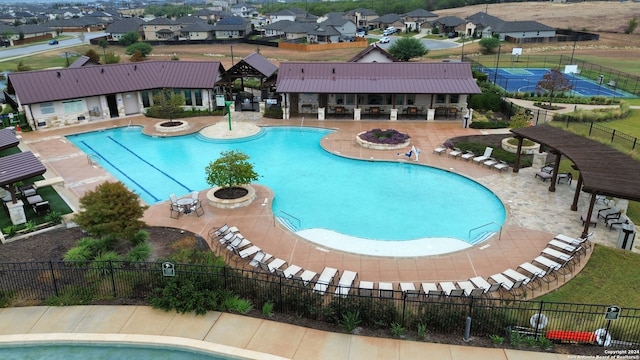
<point>183,125</point>
<point>528,150</point>
<point>370,145</point>
<point>231,203</point>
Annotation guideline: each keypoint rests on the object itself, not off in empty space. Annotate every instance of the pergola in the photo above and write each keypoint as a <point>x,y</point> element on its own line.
<point>18,167</point>
<point>253,65</point>
<point>8,139</point>
<point>603,170</point>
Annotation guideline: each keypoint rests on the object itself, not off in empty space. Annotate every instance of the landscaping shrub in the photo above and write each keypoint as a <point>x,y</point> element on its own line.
<point>488,100</point>
<point>595,115</point>
<point>489,125</point>
<point>273,112</point>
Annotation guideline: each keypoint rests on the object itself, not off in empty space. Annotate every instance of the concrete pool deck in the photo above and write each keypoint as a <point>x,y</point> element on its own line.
<point>234,335</point>
<point>534,215</point>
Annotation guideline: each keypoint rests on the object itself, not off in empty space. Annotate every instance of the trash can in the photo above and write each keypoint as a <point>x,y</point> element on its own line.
<point>627,236</point>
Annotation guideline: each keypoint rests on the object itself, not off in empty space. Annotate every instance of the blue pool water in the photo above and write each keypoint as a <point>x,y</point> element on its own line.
<point>64,351</point>
<point>365,199</point>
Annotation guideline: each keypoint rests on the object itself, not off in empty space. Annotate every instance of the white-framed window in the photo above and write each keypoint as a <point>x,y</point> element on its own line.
<point>73,106</point>
<point>47,108</point>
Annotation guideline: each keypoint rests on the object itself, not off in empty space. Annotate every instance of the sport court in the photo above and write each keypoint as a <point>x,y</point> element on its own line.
<point>526,80</point>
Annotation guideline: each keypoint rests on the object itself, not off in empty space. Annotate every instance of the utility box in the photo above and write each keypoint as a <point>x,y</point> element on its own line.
<point>627,236</point>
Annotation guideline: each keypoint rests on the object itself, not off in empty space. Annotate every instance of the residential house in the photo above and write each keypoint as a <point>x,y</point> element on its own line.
<point>449,24</point>
<point>118,29</point>
<point>361,17</point>
<point>161,29</point>
<point>233,27</point>
<point>484,25</point>
<point>88,93</point>
<point>373,53</point>
<point>108,17</point>
<point>7,19</point>
<point>207,15</point>
<point>197,31</point>
<point>414,20</point>
<point>377,89</point>
<point>293,14</point>
<point>277,28</point>
<point>388,20</point>
<point>244,10</point>
<point>82,24</point>
<point>333,29</point>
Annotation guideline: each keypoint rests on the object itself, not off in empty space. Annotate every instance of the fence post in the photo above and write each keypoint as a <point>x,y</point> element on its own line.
<point>113,279</point>
<point>281,300</point>
<point>53,278</point>
<point>590,127</point>
<point>538,319</point>
<point>404,306</point>
<point>633,147</point>
<point>613,135</point>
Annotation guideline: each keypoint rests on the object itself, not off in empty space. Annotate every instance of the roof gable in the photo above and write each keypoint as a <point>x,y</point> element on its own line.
<point>73,83</point>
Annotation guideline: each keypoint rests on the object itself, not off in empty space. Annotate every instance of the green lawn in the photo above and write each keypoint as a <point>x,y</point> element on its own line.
<point>610,278</point>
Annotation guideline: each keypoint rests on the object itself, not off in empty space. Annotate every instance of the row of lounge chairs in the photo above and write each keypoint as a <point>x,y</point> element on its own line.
<point>556,259</point>
<point>241,248</point>
<point>485,159</point>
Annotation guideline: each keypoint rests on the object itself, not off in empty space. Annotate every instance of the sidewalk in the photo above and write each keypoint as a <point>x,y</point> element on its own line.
<point>233,335</point>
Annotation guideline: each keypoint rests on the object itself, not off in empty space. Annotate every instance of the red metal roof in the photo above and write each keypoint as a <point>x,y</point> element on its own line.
<point>398,78</point>
<point>72,83</point>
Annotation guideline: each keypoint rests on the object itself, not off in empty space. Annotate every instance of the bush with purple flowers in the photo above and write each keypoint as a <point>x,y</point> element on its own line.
<point>387,136</point>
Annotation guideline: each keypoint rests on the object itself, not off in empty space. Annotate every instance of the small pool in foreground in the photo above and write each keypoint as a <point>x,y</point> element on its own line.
<point>334,201</point>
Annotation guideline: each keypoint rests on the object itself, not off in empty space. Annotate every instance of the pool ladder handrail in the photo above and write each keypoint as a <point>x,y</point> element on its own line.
<point>92,159</point>
<point>286,220</point>
<point>487,224</point>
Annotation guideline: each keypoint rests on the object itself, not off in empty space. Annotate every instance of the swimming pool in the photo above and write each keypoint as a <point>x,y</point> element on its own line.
<point>102,351</point>
<point>329,194</point>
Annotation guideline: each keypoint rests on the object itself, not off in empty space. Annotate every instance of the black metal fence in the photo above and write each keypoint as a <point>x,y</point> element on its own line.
<point>75,282</point>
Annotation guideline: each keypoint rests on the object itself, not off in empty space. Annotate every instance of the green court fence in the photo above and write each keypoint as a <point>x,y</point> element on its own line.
<point>125,282</point>
<point>603,75</point>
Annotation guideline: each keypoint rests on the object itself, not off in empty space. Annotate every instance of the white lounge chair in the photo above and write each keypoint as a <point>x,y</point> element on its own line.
<point>484,157</point>
<point>325,279</point>
<point>480,282</point>
<point>409,290</point>
<point>585,243</point>
<point>259,257</point>
<point>345,282</point>
<point>526,280</point>
<point>275,264</point>
<point>439,150</point>
<point>467,286</point>
<point>455,153</point>
<point>251,250</point>
<point>467,156</point>
<point>385,289</point>
<point>501,166</point>
<point>564,246</point>
<point>291,270</point>
<point>547,274</point>
<point>431,290</point>
<point>490,163</point>
<point>365,288</point>
<point>447,287</point>
<point>555,254</point>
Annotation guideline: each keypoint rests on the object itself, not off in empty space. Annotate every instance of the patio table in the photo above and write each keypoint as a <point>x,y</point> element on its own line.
<point>185,204</point>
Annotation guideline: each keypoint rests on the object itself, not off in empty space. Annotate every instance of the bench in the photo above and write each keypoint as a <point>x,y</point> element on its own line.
<point>48,182</point>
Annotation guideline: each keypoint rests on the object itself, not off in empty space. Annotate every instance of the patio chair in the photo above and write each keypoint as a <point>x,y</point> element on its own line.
<point>385,290</point>
<point>467,156</point>
<point>484,157</point>
<point>440,150</point>
<point>431,290</point>
<point>175,210</point>
<point>619,221</point>
<point>609,213</point>
<point>455,153</point>
<point>466,287</point>
<point>447,287</point>
<point>41,208</point>
<point>365,288</point>
<point>345,282</point>
<point>409,290</point>
<point>325,279</point>
<point>490,163</point>
<point>501,166</point>
<point>197,208</point>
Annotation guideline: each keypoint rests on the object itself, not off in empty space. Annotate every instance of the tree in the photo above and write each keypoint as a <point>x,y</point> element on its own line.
<point>129,38</point>
<point>143,48</point>
<point>554,82</point>
<point>111,58</point>
<point>93,56</point>
<point>166,105</point>
<point>7,35</point>
<point>22,67</point>
<point>519,120</point>
<point>631,26</point>
<point>104,44</point>
<point>111,210</point>
<point>407,48</point>
<point>230,170</point>
<point>136,56</point>
<point>489,44</point>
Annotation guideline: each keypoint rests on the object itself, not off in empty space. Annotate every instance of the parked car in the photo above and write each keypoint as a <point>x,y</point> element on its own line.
<point>388,31</point>
<point>361,34</point>
<point>384,40</point>
<point>453,35</point>
<point>53,42</point>
<point>346,39</point>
